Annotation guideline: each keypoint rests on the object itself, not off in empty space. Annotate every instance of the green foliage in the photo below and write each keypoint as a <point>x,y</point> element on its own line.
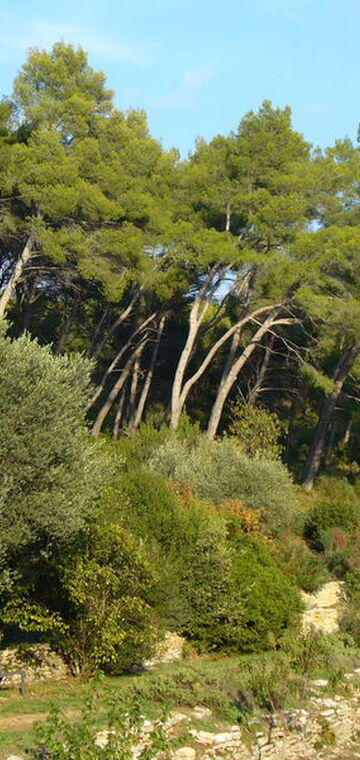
<point>109,588</point>
<point>144,501</point>
<point>209,606</point>
<point>306,568</point>
<point>221,471</point>
<point>337,507</point>
<point>257,430</point>
<point>59,737</point>
<point>271,603</point>
<point>50,471</point>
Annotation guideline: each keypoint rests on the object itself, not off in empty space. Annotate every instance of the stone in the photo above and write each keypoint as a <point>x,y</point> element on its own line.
<point>169,649</point>
<point>320,682</point>
<point>203,737</point>
<point>184,753</point>
<point>201,713</point>
<point>14,757</point>
<point>322,608</point>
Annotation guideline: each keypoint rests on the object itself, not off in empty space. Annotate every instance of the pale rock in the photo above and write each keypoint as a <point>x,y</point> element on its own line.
<point>201,713</point>
<point>203,737</point>
<point>184,753</point>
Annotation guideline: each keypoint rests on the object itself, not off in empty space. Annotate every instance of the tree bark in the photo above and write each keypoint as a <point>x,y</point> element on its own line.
<point>97,348</point>
<point>317,448</point>
<point>261,374</point>
<point>10,288</point>
<point>196,318</point>
<point>115,390</point>
<point>116,360</point>
<point>148,380</point>
<point>119,413</point>
<point>234,332</point>
<point>228,380</point>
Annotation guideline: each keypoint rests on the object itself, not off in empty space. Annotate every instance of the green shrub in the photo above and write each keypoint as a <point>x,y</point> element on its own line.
<point>208,606</point>
<point>61,738</point>
<point>306,568</point>
<point>220,471</point>
<point>50,468</point>
<point>144,502</point>
<point>258,431</point>
<point>271,603</point>
<point>109,590</point>
<point>337,507</point>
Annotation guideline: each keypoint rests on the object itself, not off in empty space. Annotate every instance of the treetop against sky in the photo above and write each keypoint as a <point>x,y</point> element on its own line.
<point>198,67</point>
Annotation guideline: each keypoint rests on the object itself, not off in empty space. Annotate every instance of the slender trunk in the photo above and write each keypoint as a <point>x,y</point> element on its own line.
<point>228,381</point>
<point>256,389</point>
<point>148,380</point>
<point>133,391</point>
<point>316,452</point>
<point>196,318</point>
<point>228,217</point>
<point>330,444</point>
<point>115,390</point>
<point>97,348</point>
<point>347,435</point>
<point>119,413</point>
<point>116,360</point>
<point>231,332</point>
<point>66,327</point>
<point>99,326</point>
<point>10,288</point>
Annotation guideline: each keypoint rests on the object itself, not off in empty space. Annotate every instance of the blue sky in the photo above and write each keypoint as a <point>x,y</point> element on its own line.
<point>197,66</point>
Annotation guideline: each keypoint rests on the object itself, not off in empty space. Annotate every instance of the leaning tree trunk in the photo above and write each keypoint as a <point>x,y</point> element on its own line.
<point>228,380</point>
<point>135,422</point>
<point>115,390</point>
<point>317,448</point>
<point>112,366</point>
<point>20,265</point>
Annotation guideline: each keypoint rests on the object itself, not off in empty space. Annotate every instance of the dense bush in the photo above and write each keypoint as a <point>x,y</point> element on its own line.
<point>337,506</point>
<point>271,602</point>
<point>306,568</point>
<point>49,467</point>
<point>209,607</point>
<point>108,590</point>
<point>257,430</point>
<point>144,502</point>
<point>221,471</point>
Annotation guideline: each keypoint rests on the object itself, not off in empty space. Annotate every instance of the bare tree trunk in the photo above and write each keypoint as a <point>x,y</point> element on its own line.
<point>196,318</point>
<point>115,390</point>
<point>133,390</point>
<point>256,389</point>
<point>10,288</point>
<point>317,448</point>
<point>66,327</point>
<point>97,348</point>
<point>135,422</point>
<point>234,332</point>
<point>119,413</point>
<point>93,342</point>
<point>228,381</point>
<point>117,358</point>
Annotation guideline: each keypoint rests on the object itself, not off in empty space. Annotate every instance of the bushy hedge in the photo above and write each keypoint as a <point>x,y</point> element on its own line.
<point>338,506</point>
<point>221,471</point>
<point>271,602</point>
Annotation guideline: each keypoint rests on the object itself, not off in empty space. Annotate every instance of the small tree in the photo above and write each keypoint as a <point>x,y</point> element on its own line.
<point>109,590</point>
<point>49,467</point>
<point>257,430</point>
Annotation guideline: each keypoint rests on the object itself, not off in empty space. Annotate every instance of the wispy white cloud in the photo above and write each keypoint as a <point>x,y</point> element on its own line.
<point>42,33</point>
<point>193,80</point>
